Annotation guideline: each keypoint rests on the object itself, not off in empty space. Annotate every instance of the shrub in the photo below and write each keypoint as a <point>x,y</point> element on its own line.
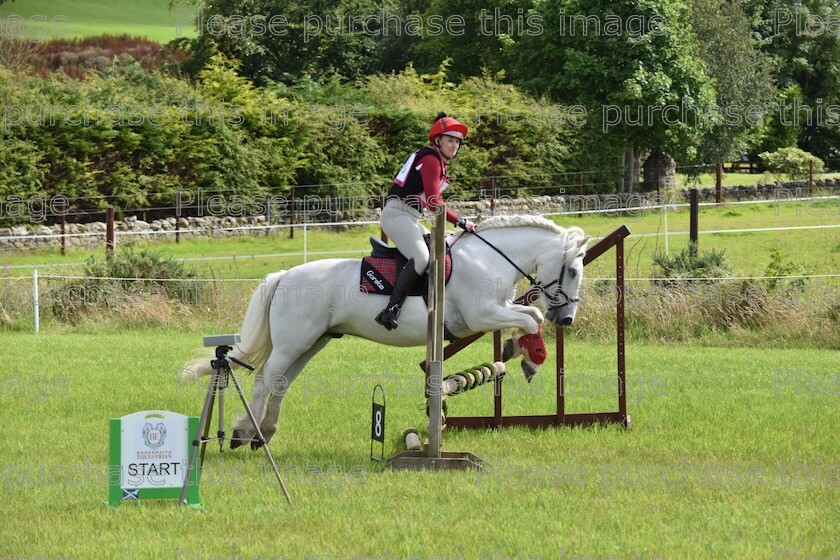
<point>791,161</point>
<point>777,269</point>
<point>142,285</point>
<point>689,263</point>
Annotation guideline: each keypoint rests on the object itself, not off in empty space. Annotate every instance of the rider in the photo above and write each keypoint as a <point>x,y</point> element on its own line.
<point>419,185</point>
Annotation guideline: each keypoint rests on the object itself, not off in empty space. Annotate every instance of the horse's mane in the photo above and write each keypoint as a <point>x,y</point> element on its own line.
<point>525,220</point>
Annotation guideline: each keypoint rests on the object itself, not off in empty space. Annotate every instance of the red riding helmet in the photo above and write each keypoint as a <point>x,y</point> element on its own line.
<point>449,126</point>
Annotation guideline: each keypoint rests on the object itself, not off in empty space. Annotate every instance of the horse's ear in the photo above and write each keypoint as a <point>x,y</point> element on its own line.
<point>581,244</point>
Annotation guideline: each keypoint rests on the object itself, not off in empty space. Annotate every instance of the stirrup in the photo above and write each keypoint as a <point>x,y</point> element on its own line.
<point>388,317</point>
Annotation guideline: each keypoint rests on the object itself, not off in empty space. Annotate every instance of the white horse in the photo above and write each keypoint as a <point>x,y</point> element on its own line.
<point>294,313</point>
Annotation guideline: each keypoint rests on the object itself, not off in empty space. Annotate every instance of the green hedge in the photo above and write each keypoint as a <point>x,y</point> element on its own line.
<point>131,138</point>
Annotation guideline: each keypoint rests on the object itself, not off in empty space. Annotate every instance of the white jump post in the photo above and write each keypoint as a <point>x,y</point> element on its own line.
<point>35,303</point>
<point>431,457</point>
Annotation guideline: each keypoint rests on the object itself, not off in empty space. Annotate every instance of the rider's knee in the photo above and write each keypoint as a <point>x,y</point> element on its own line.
<point>420,264</point>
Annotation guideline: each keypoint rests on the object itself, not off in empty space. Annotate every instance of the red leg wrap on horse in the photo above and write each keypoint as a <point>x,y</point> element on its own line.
<point>535,346</point>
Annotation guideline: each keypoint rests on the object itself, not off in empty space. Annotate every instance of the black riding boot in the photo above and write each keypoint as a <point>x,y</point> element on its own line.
<point>405,281</point>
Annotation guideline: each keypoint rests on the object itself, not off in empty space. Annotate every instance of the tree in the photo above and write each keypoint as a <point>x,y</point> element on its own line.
<point>634,64</point>
<point>477,34</point>
<point>803,41</point>
<point>742,76</point>
<point>282,40</point>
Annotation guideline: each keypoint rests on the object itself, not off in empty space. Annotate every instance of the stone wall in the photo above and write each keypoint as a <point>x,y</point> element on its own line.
<point>93,234</point>
<point>32,237</point>
<point>770,191</point>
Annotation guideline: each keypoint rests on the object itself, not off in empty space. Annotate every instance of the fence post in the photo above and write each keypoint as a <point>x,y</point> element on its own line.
<point>493,195</point>
<point>177,216</point>
<point>304,238</point>
<point>658,183</point>
<point>382,202</point>
<point>35,303</point>
<point>692,228</point>
<point>810,177</point>
<point>292,216</point>
<point>719,183</point>
<point>267,215</point>
<point>110,241</point>
<point>63,205</point>
<point>580,194</point>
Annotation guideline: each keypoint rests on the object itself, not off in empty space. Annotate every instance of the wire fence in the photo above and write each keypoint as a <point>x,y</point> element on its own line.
<point>62,295</point>
<point>570,207</point>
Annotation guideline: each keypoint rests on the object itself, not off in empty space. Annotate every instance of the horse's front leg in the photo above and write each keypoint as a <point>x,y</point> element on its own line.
<point>511,347</point>
<point>495,317</point>
<point>528,310</point>
<point>526,343</point>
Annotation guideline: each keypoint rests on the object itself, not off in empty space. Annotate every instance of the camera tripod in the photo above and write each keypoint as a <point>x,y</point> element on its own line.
<point>222,374</point>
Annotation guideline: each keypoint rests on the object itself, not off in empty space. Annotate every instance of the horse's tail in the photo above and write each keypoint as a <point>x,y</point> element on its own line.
<point>256,336</point>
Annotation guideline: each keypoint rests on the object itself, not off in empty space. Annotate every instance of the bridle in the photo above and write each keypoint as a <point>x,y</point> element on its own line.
<point>536,283</point>
<point>559,291</point>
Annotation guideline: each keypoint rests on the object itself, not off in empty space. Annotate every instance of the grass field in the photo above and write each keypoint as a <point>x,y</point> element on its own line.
<point>55,19</point>
<point>806,317</point>
<point>708,180</point>
<point>733,454</point>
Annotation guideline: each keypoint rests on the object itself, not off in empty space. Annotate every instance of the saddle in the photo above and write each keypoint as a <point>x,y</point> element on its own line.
<point>379,270</point>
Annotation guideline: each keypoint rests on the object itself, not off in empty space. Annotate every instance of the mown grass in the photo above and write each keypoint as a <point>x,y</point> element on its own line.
<point>84,18</point>
<point>733,454</point>
<point>707,180</point>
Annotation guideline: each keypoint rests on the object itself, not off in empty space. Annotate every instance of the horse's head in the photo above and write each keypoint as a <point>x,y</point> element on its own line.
<point>560,273</point>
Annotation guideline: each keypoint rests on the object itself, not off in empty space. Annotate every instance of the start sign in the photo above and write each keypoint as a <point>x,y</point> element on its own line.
<point>149,455</point>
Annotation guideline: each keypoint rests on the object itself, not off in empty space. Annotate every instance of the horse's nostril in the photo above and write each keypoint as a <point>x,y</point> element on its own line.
<point>567,321</point>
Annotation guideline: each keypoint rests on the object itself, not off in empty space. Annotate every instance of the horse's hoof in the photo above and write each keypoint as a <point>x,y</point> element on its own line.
<point>529,369</point>
<point>509,350</point>
<point>236,440</point>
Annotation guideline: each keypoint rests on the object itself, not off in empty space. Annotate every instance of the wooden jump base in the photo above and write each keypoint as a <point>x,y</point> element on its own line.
<point>560,417</point>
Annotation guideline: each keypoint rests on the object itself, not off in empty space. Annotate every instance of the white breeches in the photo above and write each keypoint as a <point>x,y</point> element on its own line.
<point>401,223</point>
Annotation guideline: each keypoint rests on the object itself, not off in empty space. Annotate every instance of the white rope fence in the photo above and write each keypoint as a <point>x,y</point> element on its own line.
<point>304,225</point>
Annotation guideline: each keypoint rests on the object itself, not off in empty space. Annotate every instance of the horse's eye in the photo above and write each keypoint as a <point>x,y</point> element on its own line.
<point>573,273</point>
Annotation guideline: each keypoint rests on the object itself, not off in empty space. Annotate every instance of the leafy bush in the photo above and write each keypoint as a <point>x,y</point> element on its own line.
<point>130,138</point>
<point>129,282</point>
<point>690,263</point>
<point>791,161</point>
<point>776,271</point>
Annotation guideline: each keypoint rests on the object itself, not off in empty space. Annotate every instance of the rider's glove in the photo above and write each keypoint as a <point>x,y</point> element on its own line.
<point>465,224</point>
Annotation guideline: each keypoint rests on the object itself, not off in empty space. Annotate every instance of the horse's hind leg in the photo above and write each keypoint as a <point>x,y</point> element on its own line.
<point>242,429</point>
<point>267,380</point>
<point>268,426</point>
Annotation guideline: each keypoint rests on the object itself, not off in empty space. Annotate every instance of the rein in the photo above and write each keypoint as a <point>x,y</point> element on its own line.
<point>530,278</point>
<point>534,282</point>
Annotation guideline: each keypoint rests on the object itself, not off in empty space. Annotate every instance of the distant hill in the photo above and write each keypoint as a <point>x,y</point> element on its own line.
<point>55,19</point>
